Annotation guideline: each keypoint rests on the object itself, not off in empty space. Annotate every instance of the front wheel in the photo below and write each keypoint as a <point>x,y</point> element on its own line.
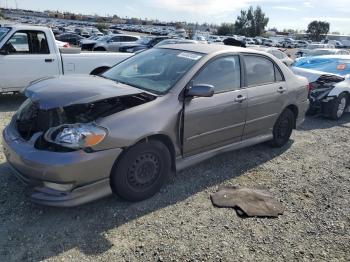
<point>339,105</point>
<point>283,128</point>
<point>141,171</point>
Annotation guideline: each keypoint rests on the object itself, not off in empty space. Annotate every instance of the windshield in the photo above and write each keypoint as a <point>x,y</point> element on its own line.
<point>144,40</point>
<point>3,32</point>
<point>155,70</point>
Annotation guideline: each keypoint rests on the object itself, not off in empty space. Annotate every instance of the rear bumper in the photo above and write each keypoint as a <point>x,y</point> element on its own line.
<point>85,174</point>
<point>302,107</point>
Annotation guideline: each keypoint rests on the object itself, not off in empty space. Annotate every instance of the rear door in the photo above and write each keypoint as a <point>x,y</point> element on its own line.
<point>211,122</point>
<point>26,57</point>
<point>266,90</point>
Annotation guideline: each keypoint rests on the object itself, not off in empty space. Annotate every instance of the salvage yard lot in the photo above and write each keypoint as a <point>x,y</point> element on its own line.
<point>310,176</point>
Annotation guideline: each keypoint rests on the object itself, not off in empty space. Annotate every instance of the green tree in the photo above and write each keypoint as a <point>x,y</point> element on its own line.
<point>101,26</point>
<point>251,22</point>
<point>226,29</point>
<point>317,30</point>
<point>1,15</point>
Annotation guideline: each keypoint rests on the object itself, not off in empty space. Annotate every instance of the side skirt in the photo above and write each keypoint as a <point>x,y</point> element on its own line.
<point>182,163</point>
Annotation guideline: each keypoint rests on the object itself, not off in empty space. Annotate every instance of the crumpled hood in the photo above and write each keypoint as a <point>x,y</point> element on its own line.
<point>79,89</point>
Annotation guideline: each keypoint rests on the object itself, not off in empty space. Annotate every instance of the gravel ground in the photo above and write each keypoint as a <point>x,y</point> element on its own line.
<point>310,177</point>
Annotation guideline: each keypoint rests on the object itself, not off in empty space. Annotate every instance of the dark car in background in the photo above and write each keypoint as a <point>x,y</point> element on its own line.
<point>70,38</point>
<point>142,44</point>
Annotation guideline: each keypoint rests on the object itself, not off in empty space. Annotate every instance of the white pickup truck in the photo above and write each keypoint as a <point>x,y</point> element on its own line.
<point>28,53</point>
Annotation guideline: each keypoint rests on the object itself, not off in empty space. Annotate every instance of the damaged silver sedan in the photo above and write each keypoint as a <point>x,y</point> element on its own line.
<point>77,139</point>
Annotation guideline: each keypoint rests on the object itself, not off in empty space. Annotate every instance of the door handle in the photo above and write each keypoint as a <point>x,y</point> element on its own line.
<point>49,60</point>
<point>281,90</point>
<point>240,99</point>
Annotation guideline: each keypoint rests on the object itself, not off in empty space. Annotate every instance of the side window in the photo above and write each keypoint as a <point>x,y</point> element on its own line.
<point>115,39</point>
<point>128,39</point>
<point>259,70</point>
<point>18,43</point>
<point>43,47</point>
<point>23,42</point>
<point>223,73</point>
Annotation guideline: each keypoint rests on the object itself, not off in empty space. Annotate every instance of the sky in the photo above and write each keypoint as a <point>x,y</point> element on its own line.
<point>283,14</point>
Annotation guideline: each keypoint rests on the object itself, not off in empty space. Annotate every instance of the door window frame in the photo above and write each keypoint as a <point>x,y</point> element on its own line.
<point>238,55</point>
<point>262,56</point>
<point>26,32</point>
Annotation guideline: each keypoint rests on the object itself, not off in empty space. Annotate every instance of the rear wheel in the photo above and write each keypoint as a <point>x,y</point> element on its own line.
<point>283,128</point>
<point>99,49</point>
<point>141,171</point>
<point>339,105</point>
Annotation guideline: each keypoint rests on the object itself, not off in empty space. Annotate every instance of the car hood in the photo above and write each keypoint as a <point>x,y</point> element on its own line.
<point>64,91</point>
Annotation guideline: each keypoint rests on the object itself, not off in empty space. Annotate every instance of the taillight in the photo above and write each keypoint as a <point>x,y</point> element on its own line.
<point>66,45</point>
<point>310,87</point>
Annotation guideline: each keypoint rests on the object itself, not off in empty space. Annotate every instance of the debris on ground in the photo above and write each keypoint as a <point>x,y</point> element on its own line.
<point>248,202</point>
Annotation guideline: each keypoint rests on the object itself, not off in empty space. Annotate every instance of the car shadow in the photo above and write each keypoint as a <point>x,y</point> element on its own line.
<point>35,232</point>
<point>319,122</point>
<point>10,102</point>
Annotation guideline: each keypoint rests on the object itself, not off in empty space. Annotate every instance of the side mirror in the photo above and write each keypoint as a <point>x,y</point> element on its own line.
<point>201,90</point>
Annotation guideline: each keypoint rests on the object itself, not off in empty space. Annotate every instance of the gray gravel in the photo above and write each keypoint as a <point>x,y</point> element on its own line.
<point>310,177</point>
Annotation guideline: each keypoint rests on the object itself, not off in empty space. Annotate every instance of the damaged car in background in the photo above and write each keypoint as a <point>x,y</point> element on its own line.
<point>329,78</point>
<point>79,138</point>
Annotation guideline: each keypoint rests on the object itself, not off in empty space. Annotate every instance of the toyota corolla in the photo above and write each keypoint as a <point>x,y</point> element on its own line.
<point>77,139</point>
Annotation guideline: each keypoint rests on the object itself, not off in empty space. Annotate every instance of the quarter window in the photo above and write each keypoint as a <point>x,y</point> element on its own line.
<point>223,73</point>
<point>260,71</point>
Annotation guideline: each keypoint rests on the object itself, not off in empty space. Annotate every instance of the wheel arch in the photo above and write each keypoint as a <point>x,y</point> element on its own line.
<point>163,138</point>
<point>166,140</point>
<point>99,70</point>
<point>295,111</point>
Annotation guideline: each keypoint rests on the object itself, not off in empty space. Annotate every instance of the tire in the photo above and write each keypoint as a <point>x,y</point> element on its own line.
<point>100,49</point>
<point>338,106</point>
<point>283,128</point>
<point>141,171</point>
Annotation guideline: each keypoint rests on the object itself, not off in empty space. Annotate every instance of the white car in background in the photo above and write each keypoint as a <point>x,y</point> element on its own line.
<point>30,53</point>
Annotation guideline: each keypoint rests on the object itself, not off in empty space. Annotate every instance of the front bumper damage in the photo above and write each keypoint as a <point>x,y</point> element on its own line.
<point>62,179</point>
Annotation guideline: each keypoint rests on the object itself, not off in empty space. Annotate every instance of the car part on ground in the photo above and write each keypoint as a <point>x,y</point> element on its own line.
<point>94,135</point>
<point>248,202</point>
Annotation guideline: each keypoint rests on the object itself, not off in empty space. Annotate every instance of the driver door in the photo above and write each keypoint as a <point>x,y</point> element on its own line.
<point>211,122</point>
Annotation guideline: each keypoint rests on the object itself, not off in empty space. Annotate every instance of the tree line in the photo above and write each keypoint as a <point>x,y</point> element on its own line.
<point>252,23</point>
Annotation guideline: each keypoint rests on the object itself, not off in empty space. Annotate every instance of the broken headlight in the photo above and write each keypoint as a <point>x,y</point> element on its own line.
<point>76,136</point>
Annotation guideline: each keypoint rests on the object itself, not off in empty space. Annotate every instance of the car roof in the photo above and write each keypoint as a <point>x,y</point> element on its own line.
<point>24,27</point>
<point>209,48</point>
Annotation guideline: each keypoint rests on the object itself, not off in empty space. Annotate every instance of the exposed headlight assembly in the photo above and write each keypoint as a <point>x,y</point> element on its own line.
<point>76,136</point>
